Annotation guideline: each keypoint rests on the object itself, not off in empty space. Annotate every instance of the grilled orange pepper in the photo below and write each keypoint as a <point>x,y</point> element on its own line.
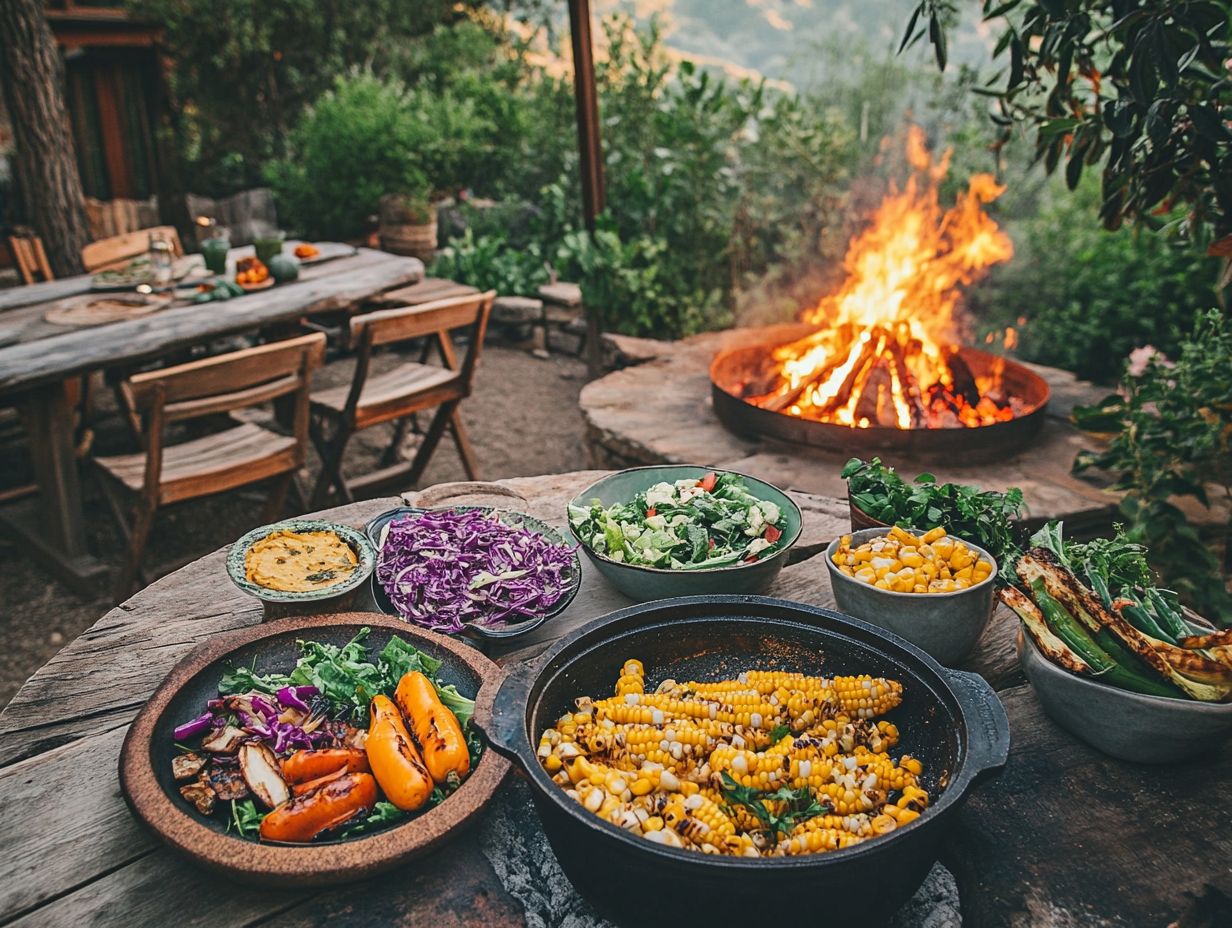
<point>312,765</point>
<point>436,728</point>
<point>395,761</point>
<point>335,803</point>
<point>299,789</point>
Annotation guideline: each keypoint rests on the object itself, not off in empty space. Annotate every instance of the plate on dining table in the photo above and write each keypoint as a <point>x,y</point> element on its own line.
<point>99,309</point>
<point>138,271</point>
<point>221,763</point>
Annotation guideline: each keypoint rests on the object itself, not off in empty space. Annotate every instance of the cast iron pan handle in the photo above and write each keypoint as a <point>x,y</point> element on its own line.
<point>988,746</point>
<point>504,721</point>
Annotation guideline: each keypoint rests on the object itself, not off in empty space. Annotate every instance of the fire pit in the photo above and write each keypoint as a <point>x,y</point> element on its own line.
<point>877,365</point>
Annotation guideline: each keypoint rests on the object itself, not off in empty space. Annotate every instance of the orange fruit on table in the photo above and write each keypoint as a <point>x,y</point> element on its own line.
<point>306,250</point>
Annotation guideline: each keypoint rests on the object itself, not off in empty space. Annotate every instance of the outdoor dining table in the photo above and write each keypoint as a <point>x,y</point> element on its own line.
<point>1064,836</point>
<point>37,359</point>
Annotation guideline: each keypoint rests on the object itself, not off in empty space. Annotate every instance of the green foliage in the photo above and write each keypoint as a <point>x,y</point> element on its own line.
<point>246,70</point>
<point>351,148</point>
<point>982,517</point>
<point>1082,298</point>
<point>1141,85</point>
<point>628,282</point>
<point>487,262</point>
<point>1173,438</point>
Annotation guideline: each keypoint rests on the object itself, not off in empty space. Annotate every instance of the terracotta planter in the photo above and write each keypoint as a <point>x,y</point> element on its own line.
<point>861,519</point>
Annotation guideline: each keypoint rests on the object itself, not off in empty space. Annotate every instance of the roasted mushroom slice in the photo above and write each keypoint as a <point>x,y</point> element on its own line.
<point>262,774</point>
<point>224,741</point>
<point>228,783</point>
<point>187,766</point>
<point>200,794</point>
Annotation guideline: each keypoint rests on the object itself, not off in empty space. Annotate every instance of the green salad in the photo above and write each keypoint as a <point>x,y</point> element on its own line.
<point>686,525</point>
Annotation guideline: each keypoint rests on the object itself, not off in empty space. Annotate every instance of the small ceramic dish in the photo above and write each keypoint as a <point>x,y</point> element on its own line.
<point>644,584</point>
<point>376,529</point>
<point>1125,725</point>
<point>151,791</point>
<point>946,625</point>
<point>339,593</point>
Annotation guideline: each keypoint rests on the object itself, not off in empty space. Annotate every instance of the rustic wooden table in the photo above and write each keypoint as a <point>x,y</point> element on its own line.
<point>1063,837</point>
<point>36,367</point>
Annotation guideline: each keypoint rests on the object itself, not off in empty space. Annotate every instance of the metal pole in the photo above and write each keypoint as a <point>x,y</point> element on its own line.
<point>591,160</point>
<point>587,111</point>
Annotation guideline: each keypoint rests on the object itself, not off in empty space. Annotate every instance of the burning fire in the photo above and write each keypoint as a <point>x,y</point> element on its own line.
<point>884,353</point>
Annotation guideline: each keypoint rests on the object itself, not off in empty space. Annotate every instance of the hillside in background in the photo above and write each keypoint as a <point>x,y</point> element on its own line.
<point>795,40</point>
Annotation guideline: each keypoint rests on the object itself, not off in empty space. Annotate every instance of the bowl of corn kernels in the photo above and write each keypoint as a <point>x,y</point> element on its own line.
<point>935,590</point>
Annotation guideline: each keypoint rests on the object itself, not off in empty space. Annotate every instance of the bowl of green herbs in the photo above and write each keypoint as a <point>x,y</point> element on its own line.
<point>878,497</point>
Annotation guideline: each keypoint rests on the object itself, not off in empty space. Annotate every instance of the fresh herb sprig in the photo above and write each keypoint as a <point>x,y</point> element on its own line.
<point>801,805</point>
<point>246,818</point>
<point>982,517</point>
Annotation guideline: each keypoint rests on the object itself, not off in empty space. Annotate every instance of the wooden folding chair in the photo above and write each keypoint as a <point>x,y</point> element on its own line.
<point>239,456</point>
<point>109,253</point>
<point>30,258</point>
<point>400,393</point>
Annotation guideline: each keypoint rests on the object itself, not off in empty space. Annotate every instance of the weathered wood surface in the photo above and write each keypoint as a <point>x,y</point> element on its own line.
<point>47,353</point>
<point>1068,837</point>
<point>1024,854</point>
<point>631,419</point>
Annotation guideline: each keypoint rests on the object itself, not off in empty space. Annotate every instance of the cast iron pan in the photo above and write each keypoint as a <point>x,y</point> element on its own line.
<point>951,720</point>
<point>150,791</point>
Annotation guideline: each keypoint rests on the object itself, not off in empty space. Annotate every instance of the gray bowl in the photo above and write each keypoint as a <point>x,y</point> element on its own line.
<point>1125,725</point>
<point>644,584</point>
<point>946,625</point>
<point>339,594</point>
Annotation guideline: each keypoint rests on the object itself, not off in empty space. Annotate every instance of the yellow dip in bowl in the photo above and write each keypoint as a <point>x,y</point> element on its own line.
<point>299,562</point>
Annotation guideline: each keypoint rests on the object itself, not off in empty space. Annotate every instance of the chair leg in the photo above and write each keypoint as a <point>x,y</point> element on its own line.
<point>390,456</point>
<point>331,465</point>
<point>277,499</point>
<point>143,521</point>
<point>462,438</point>
<point>432,438</point>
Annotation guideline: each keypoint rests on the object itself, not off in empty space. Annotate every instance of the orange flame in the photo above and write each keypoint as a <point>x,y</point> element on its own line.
<point>884,354</point>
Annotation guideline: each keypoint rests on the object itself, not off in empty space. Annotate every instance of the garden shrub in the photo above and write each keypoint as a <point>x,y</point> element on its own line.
<point>489,263</point>
<point>1087,297</point>
<point>352,147</point>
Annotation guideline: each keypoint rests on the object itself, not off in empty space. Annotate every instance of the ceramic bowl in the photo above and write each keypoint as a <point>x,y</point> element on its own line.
<point>151,793</point>
<point>648,583</point>
<point>375,531</point>
<point>338,594</point>
<point>1127,726</point>
<point>946,625</point>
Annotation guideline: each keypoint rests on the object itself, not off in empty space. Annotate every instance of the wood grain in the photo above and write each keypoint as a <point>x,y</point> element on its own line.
<point>1067,836</point>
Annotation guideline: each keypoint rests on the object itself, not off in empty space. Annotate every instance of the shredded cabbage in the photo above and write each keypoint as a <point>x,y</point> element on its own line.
<point>443,569</point>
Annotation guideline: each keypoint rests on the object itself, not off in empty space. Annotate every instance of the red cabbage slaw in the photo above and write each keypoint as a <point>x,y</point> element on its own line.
<point>443,569</point>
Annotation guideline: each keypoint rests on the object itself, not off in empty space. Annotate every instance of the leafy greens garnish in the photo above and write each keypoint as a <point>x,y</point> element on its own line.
<point>982,517</point>
<point>348,678</point>
<point>800,805</point>
<point>246,818</point>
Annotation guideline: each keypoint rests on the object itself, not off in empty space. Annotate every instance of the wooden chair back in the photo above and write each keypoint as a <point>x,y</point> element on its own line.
<point>30,258</point>
<point>239,380</point>
<point>109,253</point>
<point>439,318</point>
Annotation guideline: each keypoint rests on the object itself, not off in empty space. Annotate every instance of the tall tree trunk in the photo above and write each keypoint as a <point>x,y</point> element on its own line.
<point>45,160</point>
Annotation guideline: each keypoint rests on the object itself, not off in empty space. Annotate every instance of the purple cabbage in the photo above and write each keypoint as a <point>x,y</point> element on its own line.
<point>292,697</point>
<point>198,726</point>
<point>443,569</point>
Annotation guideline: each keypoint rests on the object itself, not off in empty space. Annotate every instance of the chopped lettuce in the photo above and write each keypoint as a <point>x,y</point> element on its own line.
<point>687,525</point>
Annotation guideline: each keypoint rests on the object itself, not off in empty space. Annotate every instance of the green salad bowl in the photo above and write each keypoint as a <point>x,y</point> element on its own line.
<point>644,584</point>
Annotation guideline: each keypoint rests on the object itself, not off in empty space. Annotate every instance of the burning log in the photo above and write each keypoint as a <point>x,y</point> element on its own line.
<point>964,381</point>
